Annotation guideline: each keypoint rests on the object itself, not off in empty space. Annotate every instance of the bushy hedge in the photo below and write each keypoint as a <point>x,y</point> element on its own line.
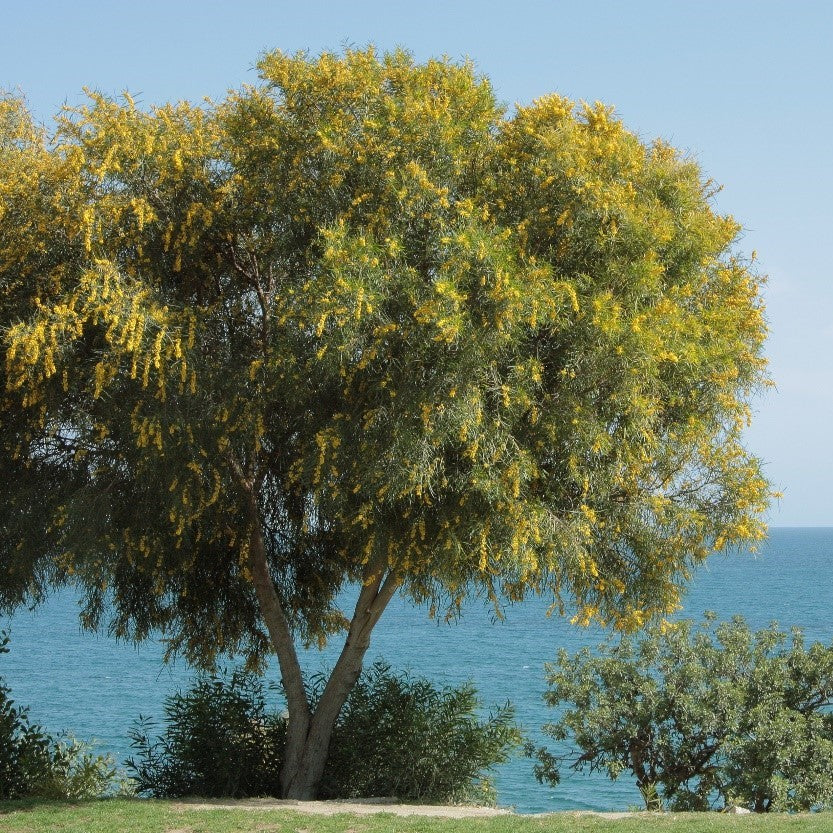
<point>397,735</point>
<point>403,736</point>
<point>702,717</point>
<point>219,740</point>
<point>35,764</point>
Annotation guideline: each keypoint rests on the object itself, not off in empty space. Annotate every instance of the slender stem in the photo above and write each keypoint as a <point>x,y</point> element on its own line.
<point>276,622</point>
<point>279,630</point>
<point>373,598</point>
<point>308,734</point>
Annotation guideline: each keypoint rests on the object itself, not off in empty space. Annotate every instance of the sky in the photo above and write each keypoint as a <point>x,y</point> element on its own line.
<point>744,87</point>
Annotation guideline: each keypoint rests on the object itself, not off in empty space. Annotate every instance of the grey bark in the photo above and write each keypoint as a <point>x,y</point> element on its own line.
<point>373,598</point>
<point>308,733</point>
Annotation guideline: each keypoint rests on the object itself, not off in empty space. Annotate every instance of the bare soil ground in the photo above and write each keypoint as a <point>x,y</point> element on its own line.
<point>362,807</point>
<point>358,806</point>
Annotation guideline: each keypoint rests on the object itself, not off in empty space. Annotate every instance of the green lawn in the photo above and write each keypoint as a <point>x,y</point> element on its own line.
<point>139,816</point>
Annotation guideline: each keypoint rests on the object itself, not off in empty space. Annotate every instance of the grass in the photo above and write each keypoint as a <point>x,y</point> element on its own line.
<point>145,816</point>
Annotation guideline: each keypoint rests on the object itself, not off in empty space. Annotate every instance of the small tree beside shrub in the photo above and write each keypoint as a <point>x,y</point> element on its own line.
<point>396,735</point>
<point>702,716</point>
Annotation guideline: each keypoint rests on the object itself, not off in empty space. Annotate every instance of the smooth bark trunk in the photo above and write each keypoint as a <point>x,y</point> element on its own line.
<point>308,733</point>
<point>280,635</point>
<point>301,781</point>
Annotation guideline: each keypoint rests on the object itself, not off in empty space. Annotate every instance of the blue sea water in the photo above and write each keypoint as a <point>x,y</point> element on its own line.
<point>95,687</point>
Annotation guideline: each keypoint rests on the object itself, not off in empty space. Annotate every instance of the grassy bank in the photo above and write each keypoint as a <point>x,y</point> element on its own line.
<point>135,816</point>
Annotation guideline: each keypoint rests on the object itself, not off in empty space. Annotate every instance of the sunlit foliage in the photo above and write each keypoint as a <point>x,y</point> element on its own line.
<point>359,317</point>
<point>702,717</point>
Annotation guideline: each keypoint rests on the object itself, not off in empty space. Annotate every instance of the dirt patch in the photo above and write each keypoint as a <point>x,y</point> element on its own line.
<point>357,807</point>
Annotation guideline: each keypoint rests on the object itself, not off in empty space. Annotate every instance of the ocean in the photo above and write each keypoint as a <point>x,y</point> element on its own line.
<point>95,687</point>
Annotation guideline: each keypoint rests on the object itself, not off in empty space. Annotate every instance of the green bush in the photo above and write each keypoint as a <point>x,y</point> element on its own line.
<point>402,736</point>
<point>75,772</point>
<point>396,735</point>
<point>702,717</point>
<point>34,764</point>
<point>219,740</point>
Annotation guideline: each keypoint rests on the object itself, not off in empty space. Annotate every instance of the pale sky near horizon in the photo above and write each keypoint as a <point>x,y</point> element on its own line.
<point>744,86</point>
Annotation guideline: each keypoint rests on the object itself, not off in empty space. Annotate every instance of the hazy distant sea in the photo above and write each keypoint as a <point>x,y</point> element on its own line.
<point>95,687</point>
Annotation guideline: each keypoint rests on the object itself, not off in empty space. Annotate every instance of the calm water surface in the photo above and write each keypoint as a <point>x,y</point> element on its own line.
<point>95,687</point>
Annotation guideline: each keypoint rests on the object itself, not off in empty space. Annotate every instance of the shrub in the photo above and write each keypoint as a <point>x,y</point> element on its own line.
<point>75,772</point>
<point>701,717</point>
<point>34,764</point>
<point>396,735</point>
<point>402,736</point>
<point>219,740</point>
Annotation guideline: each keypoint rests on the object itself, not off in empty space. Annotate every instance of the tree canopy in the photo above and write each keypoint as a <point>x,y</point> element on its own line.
<point>357,324</point>
<point>702,717</point>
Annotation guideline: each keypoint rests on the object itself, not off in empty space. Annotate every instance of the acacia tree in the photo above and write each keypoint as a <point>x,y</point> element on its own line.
<point>357,325</point>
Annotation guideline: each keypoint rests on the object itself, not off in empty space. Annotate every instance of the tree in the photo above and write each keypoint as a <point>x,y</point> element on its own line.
<point>356,325</point>
<point>700,717</point>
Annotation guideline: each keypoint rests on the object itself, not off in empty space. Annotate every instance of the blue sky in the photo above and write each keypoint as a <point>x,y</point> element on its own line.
<point>744,87</point>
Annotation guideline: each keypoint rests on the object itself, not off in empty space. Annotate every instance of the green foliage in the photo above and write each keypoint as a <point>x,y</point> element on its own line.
<point>34,764</point>
<point>75,772</point>
<point>701,717</point>
<point>477,350</point>
<point>402,736</point>
<point>219,740</point>
<point>24,749</point>
<point>397,735</point>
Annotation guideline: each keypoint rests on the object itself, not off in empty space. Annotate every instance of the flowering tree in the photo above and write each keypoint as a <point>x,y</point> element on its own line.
<point>355,325</point>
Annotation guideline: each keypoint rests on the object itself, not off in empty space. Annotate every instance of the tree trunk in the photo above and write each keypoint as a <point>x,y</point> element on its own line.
<point>308,734</point>
<point>301,780</point>
<point>280,635</point>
